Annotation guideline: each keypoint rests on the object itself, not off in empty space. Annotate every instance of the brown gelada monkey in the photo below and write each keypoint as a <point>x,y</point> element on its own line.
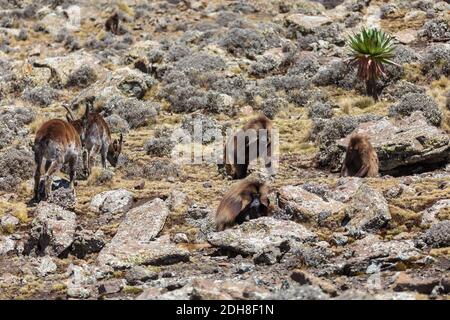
<point>239,170</point>
<point>112,23</point>
<point>245,200</point>
<point>361,160</point>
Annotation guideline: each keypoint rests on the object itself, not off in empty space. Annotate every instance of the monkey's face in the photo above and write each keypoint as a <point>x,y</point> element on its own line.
<point>255,207</point>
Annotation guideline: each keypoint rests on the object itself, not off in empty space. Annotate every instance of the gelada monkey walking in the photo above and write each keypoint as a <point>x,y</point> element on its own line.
<point>361,160</point>
<point>256,132</point>
<point>245,200</point>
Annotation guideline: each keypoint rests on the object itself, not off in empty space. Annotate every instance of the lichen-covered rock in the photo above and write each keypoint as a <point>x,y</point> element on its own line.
<point>64,66</point>
<point>64,197</point>
<point>136,239</point>
<point>86,242</point>
<point>408,141</point>
<point>373,251</point>
<point>304,292</point>
<point>307,206</point>
<point>268,62</point>
<point>306,24</point>
<point>112,202</point>
<point>205,289</point>
<point>46,266</point>
<point>52,232</point>
<point>438,235</point>
<point>411,102</point>
<point>259,234</point>
<point>122,83</point>
<point>367,210</point>
<point>7,244</point>
<point>138,274</point>
<point>430,215</point>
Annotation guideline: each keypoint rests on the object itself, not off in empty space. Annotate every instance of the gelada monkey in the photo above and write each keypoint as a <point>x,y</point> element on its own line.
<point>245,200</point>
<point>112,23</point>
<point>251,146</point>
<point>361,160</point>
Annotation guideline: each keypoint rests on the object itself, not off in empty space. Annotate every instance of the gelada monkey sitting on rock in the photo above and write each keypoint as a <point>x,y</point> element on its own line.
<point>249,143</point>
<point>361,160</point>
<point>244,201</point>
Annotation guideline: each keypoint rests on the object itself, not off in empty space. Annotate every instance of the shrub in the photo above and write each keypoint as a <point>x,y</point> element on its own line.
<point>82,77</point>
<point>417,102</point>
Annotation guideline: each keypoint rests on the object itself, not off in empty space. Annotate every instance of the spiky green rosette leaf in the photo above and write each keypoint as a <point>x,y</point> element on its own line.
<point>370,50</point>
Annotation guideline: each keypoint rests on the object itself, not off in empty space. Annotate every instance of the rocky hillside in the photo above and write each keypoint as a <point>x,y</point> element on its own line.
<point>142,229</point>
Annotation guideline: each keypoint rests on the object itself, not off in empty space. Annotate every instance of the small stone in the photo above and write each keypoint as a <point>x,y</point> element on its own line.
<point>438,235</point>
<point>339,239</point>
<point>87,242</point>
<point>137,275</point>
<point>269,256</point>
<point>110,287</point>
<point>305,278</point>
<point>9,223</point>
<point>207,184</point>
<point>140,185</point>
<point>46,266</point>
<point>244,268</point>
<point>180,238</point>
<point>7,244</point>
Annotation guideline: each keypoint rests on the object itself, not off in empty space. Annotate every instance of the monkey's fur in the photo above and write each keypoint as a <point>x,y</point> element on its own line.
<point>239,170</point>
<point>361,160</point>
<point>245,200</point>
<point>112,23</point>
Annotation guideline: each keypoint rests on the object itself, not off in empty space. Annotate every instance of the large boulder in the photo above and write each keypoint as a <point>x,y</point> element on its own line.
<point>112,202</point>
<point>52,232</point>
<point>410,141</point>
<point>305,205</point>
<point>306,24</point>
<point>62,67</point>
<point>373,252</point>
<point>123,82</point>
<point>259,235</point>
<point>135,242</point>
<point>368,210</point>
